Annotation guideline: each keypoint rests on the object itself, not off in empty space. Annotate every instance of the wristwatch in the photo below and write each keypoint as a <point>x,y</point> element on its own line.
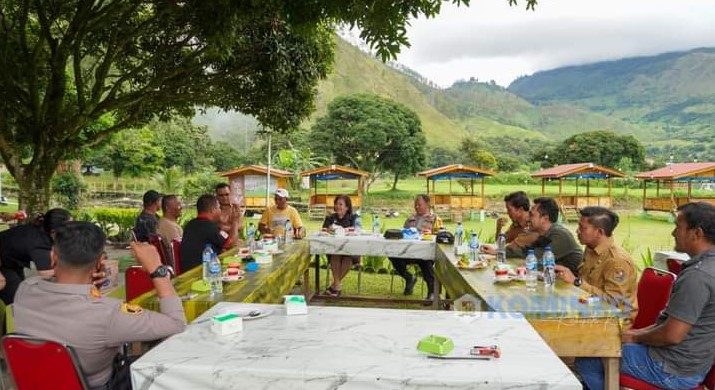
<point>577,282</point>
<point>160,272</point>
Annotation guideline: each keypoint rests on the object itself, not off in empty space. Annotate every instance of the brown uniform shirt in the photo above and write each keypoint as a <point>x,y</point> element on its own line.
<point>169,230</point>
<point>424,222</point>
<point>95,326</point>
<point>608,271</point>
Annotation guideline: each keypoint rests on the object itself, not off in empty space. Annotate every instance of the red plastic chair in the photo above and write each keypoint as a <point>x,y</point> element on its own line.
<point>176,252</point>
<point>637,384</point>
<point>58,363</point>
<point>137,282</point>
<point>157,242</point>
<point>674,265</point>
<point>653,294</point>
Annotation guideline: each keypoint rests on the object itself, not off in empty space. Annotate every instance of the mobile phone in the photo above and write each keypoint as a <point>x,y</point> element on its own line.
<point>133,236</point>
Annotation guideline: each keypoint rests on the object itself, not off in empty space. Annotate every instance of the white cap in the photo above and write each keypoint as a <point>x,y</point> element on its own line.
<point>282,192</point>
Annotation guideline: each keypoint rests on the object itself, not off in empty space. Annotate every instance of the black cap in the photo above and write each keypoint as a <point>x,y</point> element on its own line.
<point>151,196</point>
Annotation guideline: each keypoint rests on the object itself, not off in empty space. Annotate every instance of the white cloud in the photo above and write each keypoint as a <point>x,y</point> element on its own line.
<point>490,40</point>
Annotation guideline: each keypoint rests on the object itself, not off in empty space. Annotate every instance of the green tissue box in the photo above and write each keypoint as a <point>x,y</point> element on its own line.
<point>438,345</point>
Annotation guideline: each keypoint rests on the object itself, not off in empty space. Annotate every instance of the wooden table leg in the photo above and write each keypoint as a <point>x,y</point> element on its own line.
<point>437,292</point>
<point>306,284</point>
<point>317,274</point>
<point>611,372</point>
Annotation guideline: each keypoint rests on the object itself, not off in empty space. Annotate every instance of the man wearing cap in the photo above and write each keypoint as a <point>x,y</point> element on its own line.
<point>229,210</point>
<point>71,310</point>
<point>148,221</point>
<point>274,218</point>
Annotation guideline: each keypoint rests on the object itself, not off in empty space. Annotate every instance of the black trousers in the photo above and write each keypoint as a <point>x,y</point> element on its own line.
<point>426,266</point>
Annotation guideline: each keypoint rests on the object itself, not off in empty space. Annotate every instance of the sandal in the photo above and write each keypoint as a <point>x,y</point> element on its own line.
<point>332,292</point>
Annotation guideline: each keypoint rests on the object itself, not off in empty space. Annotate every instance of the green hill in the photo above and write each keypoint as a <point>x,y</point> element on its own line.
<point>672,95</point>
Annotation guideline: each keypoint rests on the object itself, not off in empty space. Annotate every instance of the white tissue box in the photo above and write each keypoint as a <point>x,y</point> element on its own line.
<point>295,304</point>
<point>226,324</point>
<point>460,249</point>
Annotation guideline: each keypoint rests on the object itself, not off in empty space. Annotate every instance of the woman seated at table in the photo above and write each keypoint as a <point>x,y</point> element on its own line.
<point>344,218</point>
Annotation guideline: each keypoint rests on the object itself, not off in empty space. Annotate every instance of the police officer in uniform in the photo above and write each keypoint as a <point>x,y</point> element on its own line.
<point>607,269</point>
<point>70,309</point>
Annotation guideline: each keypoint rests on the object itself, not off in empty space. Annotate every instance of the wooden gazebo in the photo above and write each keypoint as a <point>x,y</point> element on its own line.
<point>249,183</point>
<point>321,203</point>
<point>580,171</point>
<point>449,204</point>
<point>672,176</point>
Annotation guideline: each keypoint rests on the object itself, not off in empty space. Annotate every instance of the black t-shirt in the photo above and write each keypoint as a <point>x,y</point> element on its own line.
<point>347,221</point>
<point>145,226</point>
<point>23,244</point>
<point>197,233</point>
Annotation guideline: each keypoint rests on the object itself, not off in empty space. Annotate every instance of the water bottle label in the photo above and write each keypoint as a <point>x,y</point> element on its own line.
<point>215,268</point>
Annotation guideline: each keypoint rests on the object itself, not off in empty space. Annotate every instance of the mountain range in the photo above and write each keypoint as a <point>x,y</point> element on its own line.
<point>666,101</point>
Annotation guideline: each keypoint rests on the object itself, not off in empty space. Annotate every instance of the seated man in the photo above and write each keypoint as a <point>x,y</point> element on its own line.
<point>518,235</point>
<point>274,219</point>
<point>147,221</point>
<point>678,350</point>
<point>169,228</point>
<point>71,310</point>
<point>204,230</point>
<point>607,269</point>
<point>544,217</point>
<point>422,219</point>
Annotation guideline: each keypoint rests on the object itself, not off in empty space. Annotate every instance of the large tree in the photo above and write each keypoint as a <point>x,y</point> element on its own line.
<point>599,147</point>
<point>371,133</point>
<point>67,63</point>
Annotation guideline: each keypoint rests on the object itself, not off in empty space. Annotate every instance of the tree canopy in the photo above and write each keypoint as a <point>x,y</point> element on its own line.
<point>68,63</point>
<point>371,133</point>
<point>599,147</point>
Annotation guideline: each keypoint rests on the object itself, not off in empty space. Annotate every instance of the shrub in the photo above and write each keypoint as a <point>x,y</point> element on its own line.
<point>68,189</point>
<point>115,222</point>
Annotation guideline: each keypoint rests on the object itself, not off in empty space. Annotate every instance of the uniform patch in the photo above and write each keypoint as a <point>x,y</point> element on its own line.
<point>131,309</point>
<point>619,276</point>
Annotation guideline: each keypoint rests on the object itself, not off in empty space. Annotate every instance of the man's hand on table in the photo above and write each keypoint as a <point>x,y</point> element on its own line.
<point>564,273</point>
<point>488,249</point>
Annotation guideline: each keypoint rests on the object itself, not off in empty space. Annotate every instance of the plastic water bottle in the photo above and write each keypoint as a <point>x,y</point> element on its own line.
<point>549,264</point>
<point>376,225</point>
<point>501,248</point>
<point>288,232</point>
<point>206,256</point>
<point>473,248</point>
<point>251,237</point>
<point>459,234</point>
<point>532,271</point>
<point>215,275</point>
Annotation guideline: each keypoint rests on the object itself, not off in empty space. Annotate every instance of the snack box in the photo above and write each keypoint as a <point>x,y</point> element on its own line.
<point>226,324</point>
<point>295,304</point>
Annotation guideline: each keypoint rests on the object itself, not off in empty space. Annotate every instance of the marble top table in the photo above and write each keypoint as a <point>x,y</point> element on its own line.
<point>371,245</point>
<point>570,328</point>
<point>351,348</point>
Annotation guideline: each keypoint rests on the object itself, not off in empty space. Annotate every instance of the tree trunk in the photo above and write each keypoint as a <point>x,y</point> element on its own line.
<point>33,182</point>
<point>394,182</point>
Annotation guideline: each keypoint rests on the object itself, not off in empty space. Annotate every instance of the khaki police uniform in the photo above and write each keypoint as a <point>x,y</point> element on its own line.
<point>429,222</point>
<point>608,271</point>
<point>95,326</point>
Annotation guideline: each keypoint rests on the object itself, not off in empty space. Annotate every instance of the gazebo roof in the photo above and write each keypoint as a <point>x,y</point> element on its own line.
<point>334,172</point>
<point>704,171</point>
<point>585,170</point>
<point>255,170</point>
<point>455,171</point>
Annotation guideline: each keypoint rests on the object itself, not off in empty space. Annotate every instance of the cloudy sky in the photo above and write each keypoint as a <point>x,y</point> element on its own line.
<point>492,41</point>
